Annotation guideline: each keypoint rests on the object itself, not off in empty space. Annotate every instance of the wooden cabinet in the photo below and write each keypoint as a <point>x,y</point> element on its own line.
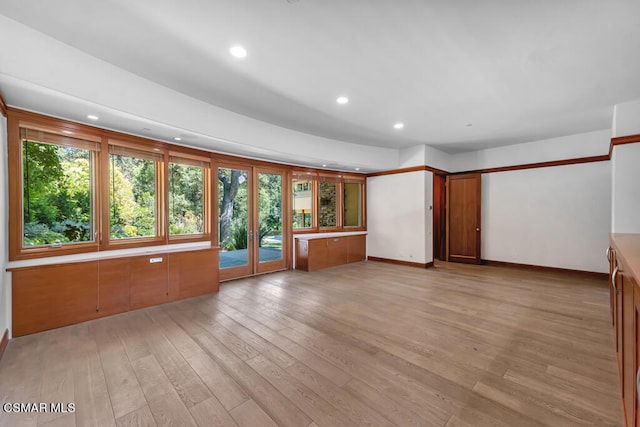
<point>315,253</point>
<point>53,296</point>
<point>47,297</point>
<point>624,257</point>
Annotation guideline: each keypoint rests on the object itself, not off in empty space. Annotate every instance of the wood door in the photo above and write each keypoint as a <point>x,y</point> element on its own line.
<point>463,218</point>
<point>235,220</point>
<point>271,238</point>
<point>439,212</point>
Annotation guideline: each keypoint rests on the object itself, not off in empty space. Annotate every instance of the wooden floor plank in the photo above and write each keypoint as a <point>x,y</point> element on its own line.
<point>363,344</point>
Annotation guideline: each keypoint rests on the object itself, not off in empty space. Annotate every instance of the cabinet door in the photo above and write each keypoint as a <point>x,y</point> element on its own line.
<point>636,341</point>
<point>357,248</point>
<point>53,296</point>
<point>628,346</point>
<point>617,321</point>
<point>337,251</point>
<point>149,285</point>
<point>611,256</point>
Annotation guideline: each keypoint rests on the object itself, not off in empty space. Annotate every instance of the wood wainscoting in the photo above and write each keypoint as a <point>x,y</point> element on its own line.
<point>50,296</point>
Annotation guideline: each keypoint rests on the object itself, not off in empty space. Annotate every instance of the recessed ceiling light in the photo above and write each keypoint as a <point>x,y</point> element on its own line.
<point>398,125</point>
<point>324,166</point>
<point>238,51</point>
<point>177,138</point>
<point>342,100</point>
<point>357,169</point>
<point>92,117</point>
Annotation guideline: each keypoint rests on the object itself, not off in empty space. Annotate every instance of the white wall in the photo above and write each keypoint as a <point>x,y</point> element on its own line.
<point>626,119</point>
<point>5,283</point>
<point>556,216</point>
<point>625,197</point>
<point>561,148</point>
<point>399,218</point>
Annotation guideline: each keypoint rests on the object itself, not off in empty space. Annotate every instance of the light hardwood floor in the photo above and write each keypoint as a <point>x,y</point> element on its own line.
<point>362,344</point>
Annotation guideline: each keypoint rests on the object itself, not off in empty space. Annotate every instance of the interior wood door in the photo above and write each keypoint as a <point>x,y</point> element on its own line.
<point>463,218</point>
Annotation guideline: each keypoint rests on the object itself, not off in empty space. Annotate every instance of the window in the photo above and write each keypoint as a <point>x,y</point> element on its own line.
<point>302,202</point>
<point>188,180</point>
<point>133,190</point>
<point>352,204</point>
<point>57,189</point>
<point>328,196</point>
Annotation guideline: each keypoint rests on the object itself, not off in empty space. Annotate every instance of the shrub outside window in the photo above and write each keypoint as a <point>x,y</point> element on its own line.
<point>187,199</point>
<point>133,192</point>
<point>57,189</point>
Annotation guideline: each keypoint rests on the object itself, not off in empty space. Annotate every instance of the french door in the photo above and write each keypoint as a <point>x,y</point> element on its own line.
<point>251,232</point>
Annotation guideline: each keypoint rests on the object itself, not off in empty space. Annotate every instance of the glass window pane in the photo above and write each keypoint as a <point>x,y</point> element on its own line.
<point>186,210</point>
<point>233,217</point>
<point>132,196</point>
<point>328,204</point>
<point>302,203</point>
<point>57,194</point>
<point>352,209</point>
<point>269,217</point>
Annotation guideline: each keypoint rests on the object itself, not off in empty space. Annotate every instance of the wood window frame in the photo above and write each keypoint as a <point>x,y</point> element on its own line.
<point>135,145</point>
<point>340,179</point>
<point>100,197</point>
<point>356,179</point>
<point>186,156</point>
<point>313,177</point>
<point>63,130</point>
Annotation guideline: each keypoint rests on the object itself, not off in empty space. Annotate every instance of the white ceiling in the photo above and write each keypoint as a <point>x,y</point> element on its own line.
<point>515,71</point>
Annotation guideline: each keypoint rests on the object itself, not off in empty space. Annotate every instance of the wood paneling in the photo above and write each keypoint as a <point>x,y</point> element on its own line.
<point>149,280</point>
<point>53,296</point>
<point>356,248</point>
<point>113,289</point>
<point>628,349</point>
<point>624,257</point>
<point>463,218</point>
<point>193,273</point>
<point>316,254</point>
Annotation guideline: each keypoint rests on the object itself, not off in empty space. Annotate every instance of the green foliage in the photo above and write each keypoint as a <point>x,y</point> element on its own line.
<point>132,197</point>
<point>186,213</point>
<point>56,195</point>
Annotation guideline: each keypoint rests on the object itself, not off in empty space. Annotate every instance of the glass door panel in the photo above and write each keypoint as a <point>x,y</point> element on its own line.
<point>234,214</point>
<point>269,217</point>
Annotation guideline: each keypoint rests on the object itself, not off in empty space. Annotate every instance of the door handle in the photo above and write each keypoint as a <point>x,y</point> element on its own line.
<point>613,278</point>
<point>251,235</point>
<point>608,253</point>
<point>477,228</point>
